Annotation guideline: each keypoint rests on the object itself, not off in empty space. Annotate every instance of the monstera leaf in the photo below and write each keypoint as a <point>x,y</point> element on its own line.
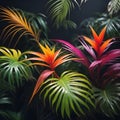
<point>101,20</point>
<point>71,92</point>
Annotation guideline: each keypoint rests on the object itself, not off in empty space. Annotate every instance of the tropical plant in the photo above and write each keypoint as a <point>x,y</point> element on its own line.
<point>98,50</point>
<point>14,66</point>
<point>111,19</point>
<point>50,59</point>
<point>102,66</point>
<point>101,20</point>
<point>70,92</point>
<point>71,86</point>
<point>5,99</point>
<point>59,11</point>
<point>21,23</point>
<point>107,99</point>
<point>9,115</point>
<point>113,6</point>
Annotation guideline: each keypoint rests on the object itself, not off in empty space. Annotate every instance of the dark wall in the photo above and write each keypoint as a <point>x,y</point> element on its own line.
<point>28,5</point>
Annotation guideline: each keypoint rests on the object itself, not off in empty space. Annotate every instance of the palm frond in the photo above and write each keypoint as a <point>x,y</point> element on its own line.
<point>113,6</point>
<point>71,92</point>
<point>99,21</point>
<point>112,24</point>
<point>59,9</point>
<point>38,22</point>
<point>17,22</point>
<point>107,99</point>
<point>4,99</point>
<point>14,66</point>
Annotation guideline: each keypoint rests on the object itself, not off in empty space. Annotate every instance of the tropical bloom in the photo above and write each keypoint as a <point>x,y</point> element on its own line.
<point>97,42</point>
<point>101,57</point>
<point>48,58</point>
<point>75,51</point>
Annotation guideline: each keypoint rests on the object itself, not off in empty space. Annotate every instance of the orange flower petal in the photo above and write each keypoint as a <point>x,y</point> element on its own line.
<point>104,46</point>
<point>91,42</point>
<point>101,35</point>
<point>95,36</point>
<point>61,60</point>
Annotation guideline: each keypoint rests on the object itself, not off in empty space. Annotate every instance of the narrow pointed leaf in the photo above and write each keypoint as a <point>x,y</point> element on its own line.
<point>42,77</point>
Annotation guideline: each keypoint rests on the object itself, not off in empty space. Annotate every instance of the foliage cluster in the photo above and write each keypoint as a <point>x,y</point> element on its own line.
<point>75,81</point>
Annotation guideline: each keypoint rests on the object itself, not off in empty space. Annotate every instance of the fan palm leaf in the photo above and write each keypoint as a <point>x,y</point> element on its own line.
<point>71,92</point>
<point>107,99</point>
<point>14,66</point>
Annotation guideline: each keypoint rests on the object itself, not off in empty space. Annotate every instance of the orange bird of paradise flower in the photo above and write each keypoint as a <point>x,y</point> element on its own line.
<point>97,42</point>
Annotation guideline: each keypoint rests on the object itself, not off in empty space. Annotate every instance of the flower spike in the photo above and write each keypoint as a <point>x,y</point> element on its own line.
<point>97,42</point>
